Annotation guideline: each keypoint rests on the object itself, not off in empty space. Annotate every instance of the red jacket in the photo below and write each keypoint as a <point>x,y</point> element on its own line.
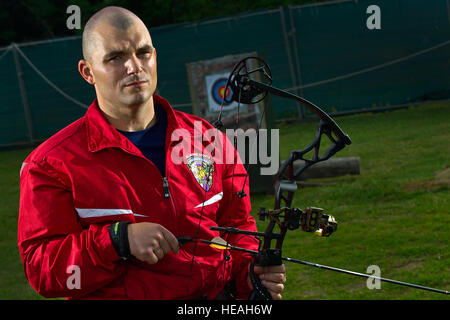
<point>87,176</point>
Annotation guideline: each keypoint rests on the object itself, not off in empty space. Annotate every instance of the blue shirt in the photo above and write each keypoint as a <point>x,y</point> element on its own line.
<point>152,141</point>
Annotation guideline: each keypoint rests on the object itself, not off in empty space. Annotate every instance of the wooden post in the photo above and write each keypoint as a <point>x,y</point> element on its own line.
<point>333,167</point>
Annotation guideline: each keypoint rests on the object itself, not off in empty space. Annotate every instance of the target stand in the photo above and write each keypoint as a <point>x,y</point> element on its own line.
<point>207,81</point>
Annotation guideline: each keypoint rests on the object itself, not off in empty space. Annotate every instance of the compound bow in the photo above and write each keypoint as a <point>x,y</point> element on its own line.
<point>250,85</point>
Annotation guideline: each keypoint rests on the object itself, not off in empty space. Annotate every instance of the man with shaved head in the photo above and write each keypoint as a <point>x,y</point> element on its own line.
<point>102,204</point>
<point>124,89</point>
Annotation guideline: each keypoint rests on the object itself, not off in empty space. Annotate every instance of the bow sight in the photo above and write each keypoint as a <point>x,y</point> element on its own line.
<point>311,220</point>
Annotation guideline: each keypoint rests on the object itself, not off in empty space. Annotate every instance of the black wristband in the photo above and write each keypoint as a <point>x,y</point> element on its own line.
<point>119,237</point>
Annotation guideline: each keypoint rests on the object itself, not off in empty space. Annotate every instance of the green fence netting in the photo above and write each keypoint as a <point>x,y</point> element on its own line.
<point>324,52</point>
<point>345,66</point>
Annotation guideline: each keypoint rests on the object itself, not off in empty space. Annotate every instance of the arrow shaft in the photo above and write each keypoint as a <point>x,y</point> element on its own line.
<point>321,266</point>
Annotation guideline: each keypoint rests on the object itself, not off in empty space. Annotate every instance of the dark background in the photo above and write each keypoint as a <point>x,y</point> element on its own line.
<point>31,20</point>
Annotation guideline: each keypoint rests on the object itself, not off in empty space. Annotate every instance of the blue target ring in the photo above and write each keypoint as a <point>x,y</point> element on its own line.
<point>218,92</point>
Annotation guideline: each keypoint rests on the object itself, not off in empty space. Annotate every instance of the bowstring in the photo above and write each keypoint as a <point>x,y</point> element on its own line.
<point>245,166</point>
<point>227,87</point>
<point>204,196</point>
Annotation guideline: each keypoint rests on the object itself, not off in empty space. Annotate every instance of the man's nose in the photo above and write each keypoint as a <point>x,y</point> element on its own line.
<point>133,65</point>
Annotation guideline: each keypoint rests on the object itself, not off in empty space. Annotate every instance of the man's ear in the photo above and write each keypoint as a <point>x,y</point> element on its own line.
<point>86,71</point>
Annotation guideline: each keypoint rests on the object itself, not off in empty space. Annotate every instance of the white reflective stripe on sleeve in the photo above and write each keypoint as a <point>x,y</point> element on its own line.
<point>95,213</point>
<point>212,200</point>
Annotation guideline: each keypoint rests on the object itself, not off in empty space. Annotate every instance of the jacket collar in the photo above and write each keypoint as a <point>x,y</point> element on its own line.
<point>101,134</point>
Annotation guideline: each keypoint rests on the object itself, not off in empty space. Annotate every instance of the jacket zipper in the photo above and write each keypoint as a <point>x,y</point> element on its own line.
<point>166,191</point>
<point>165,182</point>
<point>166,187</point>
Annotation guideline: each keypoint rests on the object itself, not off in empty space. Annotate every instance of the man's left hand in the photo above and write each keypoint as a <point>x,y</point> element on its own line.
<point>272,278</point>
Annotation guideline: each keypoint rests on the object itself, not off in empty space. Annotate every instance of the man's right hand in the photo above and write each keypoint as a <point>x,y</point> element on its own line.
<point>150,242</point>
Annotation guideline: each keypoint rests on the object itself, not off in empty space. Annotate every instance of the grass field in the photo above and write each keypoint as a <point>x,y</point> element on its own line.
<point>394,215</point>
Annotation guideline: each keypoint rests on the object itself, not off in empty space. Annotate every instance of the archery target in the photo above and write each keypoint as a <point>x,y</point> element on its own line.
<point>215,86</point>
<point>218,92</point>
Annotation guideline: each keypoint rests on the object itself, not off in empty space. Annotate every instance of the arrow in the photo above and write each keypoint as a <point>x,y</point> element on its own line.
<point>221,244</point>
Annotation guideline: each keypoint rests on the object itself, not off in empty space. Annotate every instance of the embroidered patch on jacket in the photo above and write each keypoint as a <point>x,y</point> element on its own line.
<point>202,167</point>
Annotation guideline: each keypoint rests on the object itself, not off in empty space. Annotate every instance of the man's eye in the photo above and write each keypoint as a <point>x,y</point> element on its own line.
<point>144,53</point>
<point>114,58</point>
